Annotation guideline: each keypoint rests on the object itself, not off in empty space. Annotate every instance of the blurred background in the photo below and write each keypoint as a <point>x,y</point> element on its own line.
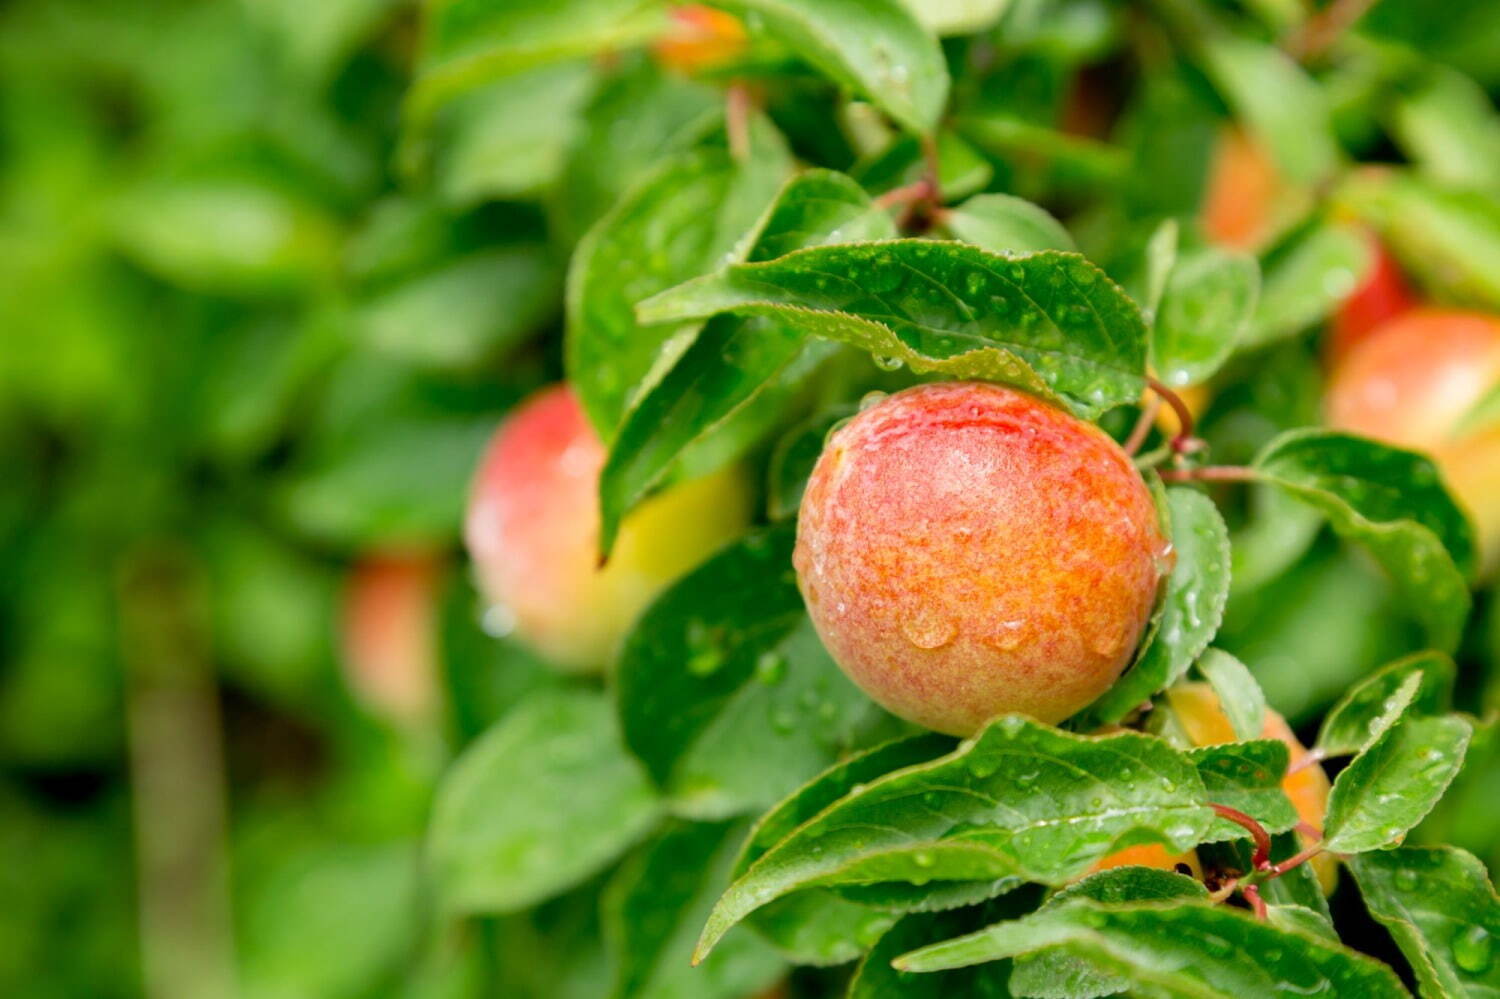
<point>253,336</point>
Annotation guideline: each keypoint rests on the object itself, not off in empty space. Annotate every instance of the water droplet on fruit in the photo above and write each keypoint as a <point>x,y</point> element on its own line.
<point>1008,636</point>
<point>770,668</point>
<point>1166,560</point>
<point>1472,950</point>
<point>1108,643</point>
<point>929,630</point>
<point>871,399</point>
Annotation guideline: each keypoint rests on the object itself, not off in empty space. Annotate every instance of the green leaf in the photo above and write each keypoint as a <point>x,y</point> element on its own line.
<point>1239,695</point>
<point>1205,309</point>
<point>1197,951</point>
<point>1003,223</point>
<point>732,359</point>
<point>724,691</point>
<point>651,912</point>
<point>540,802</point>
<point>875,47</point>
<point>817,926</point>
<point>1050,323</point>
<point>1305,279</point>
<point>1191,609</point>
<point>1246,776</point>
<point>1448,236</point>
<point>1147,266</point>
<point>793,458</point>
<point>676,223</point>
<point>1448,127</point>
<point>876,979</point>
<point>508,140</point>
<point>464,312</point>
<point>1279,101</point>
<point>467,43</point>
<point>1393,502</point>
<point>1301,919</point>
<point>1393,784</point>
<point>1442,912</point>
<point>1420,684</point>
<point>959,818</point>
<point>1054,972</point>
<point>958,17</point>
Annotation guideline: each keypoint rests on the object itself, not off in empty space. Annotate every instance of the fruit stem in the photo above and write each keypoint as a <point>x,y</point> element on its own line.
<point>1262,856</point>
<point>1142,426</point>
<point>737,120</point>
<point>1210,473</point>
<point>1257,904</point>
<point>1321,30</point>
<point>1310,758</point>
<point>1184,442</point>
<point>1277,870</point>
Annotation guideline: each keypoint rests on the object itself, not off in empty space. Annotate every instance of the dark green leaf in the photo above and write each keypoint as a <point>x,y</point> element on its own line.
<point>1003,223</point>
<point>1394,503</point>
<point>1394,783</point>
<point>1050,323</point>
<point>543,800</point>
<point>1442,911</point>
<point>725,692</point>
<point>1203,952</point>
<point>793,459</point>
<point>959,818</point>
<point>1246,776</point>
<point>1192,607</point>
<point>651,912</point>
<point>1421,684</point>
<point>1205,309</point>
<point>876,47</point>
<point>732,359</point>
<point>678,222</point>
<point>876,979</point>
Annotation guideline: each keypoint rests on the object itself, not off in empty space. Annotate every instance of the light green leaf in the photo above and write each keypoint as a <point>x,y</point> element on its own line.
<point>1183,950</point>
<point>1050,323</point>
<point>876,47</point>
<point>651,911</point>
<point>1305,279</point>
<point>1246,776</point>
<point>958,17</point>
<point>1191,609</point>
<point>680,221</point>
<point>1448,127</point>
<point>1239,695</point>
<point>732,360</point>
<point>960,818</point>
<point>1003,223</point>
<point>539,803</point>
<point>876,979</point>
<point>725,692</point>
<point>1394,503</point>
<point>1394,783</point>
<point>1420,684</point>
<point>1442,912</point>
<point>468,43</point>
<point>1205,309</point>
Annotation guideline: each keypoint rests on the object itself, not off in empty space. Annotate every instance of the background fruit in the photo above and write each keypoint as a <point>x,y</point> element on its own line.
<point>1381,296</point>
<point>533,532</point>
<point>390,634</point>
<point>1413,382</point>
<point>967,550</point>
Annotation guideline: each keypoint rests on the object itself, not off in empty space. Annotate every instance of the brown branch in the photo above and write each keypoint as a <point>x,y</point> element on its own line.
<point>1142,426</point>
<point>1324,28</point>
<point>737,120</point>
<point>1209,473</point>
<point>1184,442</point>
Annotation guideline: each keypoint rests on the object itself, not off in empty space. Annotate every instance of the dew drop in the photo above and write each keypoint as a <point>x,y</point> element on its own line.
<point>923,860</point>
<point>783,720</point>
<point>1009,636</point>
<point>1472,950</point>
<point>1407,880</point>
<point>974,282</point>
<point>498,620</point>
<point>770,668</point>
<point>929,630</point>
<point>886,362</point>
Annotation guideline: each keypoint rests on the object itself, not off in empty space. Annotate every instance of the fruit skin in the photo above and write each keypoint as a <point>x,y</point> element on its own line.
<point>1243,192</point>
<point>966,550</point>
<point>389,634</point>
<point>533,533</point>
<point>1411,383</point>
<point>1381,296</point>
<point>701,38</point>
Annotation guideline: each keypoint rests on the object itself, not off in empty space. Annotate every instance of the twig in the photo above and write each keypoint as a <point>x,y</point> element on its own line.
<point>1261,859</point>
<point>906,195</point>
<point>1309,830</point>
<point>1184,442</point>
<point>1257,904</point>
<point>1277,870</point>
<point>737,120</point>
<point>1143,426</point>
<point>1324,28</point>
<point>1209,473</point>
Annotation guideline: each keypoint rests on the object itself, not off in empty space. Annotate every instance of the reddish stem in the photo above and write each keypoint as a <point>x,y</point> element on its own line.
<point>1262,856</point>
<point>1142,426</point>
<point>1324,28</point>
<point>1209,473</point>
<point>1277,870</point>
<point>1309,830</point>
<point>1312,757</point>
<point>1257,904</point>
<point>1184,441</point>
<point>909,194</point>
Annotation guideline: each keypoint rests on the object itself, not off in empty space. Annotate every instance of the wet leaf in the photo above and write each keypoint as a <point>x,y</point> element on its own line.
<point>1420,684</point>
